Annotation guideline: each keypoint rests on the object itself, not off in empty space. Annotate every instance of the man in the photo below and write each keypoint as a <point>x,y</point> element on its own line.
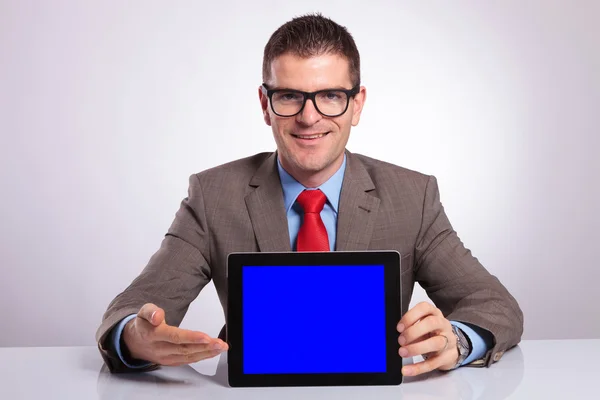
<point>311,97</point>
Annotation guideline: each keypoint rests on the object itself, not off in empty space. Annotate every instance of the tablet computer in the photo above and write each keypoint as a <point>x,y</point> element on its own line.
<point>313,319</point>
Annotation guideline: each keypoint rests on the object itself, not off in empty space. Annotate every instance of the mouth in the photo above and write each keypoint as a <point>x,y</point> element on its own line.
<point>311,137</point>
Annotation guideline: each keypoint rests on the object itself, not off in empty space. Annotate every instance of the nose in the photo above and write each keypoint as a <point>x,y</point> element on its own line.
<point>309,115</point>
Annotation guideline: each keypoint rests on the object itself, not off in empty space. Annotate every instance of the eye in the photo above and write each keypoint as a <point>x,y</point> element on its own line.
<point>332,95</point>
<point>287,96</point>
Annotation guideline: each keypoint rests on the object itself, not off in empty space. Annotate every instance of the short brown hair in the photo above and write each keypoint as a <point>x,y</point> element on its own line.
<point>312,35</point>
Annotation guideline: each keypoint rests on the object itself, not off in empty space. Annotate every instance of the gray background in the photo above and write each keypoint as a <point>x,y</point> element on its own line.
<point>107,107</point>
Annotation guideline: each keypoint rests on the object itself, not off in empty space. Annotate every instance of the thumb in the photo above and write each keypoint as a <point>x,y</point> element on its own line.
<point>152,313</point>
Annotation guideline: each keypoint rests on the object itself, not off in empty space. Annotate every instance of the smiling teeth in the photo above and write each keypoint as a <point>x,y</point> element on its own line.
<point>312,136</point>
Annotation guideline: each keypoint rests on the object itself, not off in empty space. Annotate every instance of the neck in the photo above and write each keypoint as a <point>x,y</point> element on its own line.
<point>313,179</point>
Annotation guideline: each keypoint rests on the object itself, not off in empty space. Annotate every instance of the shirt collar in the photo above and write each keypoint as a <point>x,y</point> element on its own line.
<point>292,188</point>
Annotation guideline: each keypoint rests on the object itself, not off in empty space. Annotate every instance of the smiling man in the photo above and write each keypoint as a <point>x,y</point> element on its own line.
<point>313,195</point>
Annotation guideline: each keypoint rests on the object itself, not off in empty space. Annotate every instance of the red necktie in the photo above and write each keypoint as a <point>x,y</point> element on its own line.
<point>312,235</point>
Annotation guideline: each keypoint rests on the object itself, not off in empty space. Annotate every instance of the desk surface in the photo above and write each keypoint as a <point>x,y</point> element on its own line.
<point>552,369</point>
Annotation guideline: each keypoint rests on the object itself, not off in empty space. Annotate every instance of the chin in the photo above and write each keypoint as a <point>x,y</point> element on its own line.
<point>309,161</point>
<point>312,164</point>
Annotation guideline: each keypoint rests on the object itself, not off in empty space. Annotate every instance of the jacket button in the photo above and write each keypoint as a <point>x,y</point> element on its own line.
<point>498,356</point>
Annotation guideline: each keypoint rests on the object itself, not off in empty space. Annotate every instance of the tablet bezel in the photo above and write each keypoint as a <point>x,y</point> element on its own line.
<point>391,262</point>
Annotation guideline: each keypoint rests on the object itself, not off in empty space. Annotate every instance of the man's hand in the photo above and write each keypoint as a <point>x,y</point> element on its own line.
<point>425,331</point>
<point>149,338</point>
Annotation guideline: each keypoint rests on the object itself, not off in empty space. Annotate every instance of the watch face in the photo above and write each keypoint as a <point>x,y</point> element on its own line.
<point>463,344</point>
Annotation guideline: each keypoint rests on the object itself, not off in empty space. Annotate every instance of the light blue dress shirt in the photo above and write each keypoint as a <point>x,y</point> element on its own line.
<point>292,188</point>
<point>481,340</point>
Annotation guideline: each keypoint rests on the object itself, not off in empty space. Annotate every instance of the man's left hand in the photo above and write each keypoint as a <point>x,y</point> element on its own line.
<point>425,331</point>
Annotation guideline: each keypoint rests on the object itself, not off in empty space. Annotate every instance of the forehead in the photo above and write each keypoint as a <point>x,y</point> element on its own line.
<point>310,74</point>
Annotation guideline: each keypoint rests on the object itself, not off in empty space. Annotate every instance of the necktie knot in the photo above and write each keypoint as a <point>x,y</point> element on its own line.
<point>312,201</point>
<point>312,235</point>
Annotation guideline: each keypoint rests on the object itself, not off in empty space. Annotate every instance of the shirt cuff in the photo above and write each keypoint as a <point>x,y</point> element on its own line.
<point>481,340</point>
<point>116,339</point>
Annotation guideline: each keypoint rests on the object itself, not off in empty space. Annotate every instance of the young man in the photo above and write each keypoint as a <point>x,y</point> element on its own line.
<point>311,97</point>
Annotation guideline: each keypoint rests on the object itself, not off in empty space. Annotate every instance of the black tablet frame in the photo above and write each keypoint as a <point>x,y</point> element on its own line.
<point>391,262</point>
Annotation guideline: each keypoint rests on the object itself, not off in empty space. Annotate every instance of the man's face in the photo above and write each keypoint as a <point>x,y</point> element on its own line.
<point>300,152</point>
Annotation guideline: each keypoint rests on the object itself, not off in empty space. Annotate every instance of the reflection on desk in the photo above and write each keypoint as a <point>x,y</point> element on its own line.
<point>210,379</point>
<point>530,370</point>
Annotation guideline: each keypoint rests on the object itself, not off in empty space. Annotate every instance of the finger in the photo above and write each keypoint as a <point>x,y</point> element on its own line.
<point>420,368</point>
<point>176,335</point>
<point>222,344</point>
<point>417,313</point>
<point>175,360</point>
<point>164,349</point>
<point>152,313</point>
<point>434,344</point>
<point>428,365</point>
<point>429,325</point>
<point>403,342</point>
<point>167,348</point>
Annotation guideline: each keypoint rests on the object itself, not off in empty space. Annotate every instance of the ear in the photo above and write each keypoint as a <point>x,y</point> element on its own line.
<point>358,102</point>
<point>264,104</point>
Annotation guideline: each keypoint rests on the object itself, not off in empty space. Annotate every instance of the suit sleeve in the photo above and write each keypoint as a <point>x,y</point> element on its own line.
<point>172,279</point>
<point>459,285</point>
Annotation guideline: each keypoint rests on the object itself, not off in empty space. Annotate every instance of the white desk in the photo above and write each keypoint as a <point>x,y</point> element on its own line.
<point>533,370</point>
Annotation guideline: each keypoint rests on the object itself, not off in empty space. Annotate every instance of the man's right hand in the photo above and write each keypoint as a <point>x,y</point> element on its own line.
<point>149,338</point>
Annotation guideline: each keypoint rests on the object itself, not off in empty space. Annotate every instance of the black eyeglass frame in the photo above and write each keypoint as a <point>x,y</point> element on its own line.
<point>311,96</point>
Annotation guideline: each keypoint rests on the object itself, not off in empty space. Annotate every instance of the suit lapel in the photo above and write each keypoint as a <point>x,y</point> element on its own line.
<point>266,208</point>
<point>357,209</point>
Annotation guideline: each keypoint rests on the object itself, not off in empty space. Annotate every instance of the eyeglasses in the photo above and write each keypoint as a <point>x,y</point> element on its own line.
<point>328,102</point>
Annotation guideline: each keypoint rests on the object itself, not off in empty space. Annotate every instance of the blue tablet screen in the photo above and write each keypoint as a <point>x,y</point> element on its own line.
<point>313,319</point>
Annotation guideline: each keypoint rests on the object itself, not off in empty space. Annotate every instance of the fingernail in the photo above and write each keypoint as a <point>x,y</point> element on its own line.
<point>203,340</point>
<point>152,316</point>
<point>400,328</point>
<point>402,340</point>
<point>406,371</point>
<point>217,346</point>
<point>403,352</point>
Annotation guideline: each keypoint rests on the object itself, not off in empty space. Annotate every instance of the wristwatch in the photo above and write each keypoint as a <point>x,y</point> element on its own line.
<point>463,345</point>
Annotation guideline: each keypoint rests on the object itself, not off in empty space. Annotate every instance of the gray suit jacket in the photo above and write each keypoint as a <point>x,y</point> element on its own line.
<point>239,207</point>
